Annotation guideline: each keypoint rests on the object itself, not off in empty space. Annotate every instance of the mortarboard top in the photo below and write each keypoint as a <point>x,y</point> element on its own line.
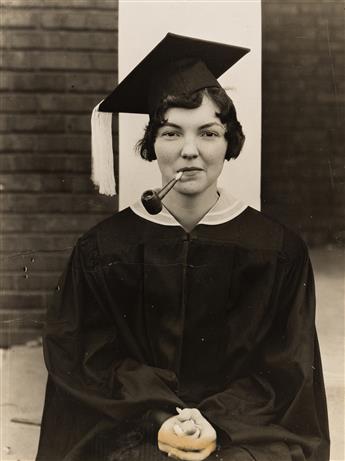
<point>178,64</point>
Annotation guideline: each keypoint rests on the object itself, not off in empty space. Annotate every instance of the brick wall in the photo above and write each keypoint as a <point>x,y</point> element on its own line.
<point>303,117</point>
<point>59,58</point>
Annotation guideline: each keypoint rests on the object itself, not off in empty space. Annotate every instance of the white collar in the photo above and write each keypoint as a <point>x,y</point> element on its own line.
<point>226,208</point>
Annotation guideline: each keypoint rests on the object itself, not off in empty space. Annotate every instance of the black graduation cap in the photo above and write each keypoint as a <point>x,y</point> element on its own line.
<point>177,65</point>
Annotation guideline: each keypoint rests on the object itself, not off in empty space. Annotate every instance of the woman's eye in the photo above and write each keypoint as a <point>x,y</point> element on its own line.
<point>170,134</point>
<point>209,134</point>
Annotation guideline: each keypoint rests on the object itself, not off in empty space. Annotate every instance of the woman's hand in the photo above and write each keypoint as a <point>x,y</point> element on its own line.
<point>187,436</point>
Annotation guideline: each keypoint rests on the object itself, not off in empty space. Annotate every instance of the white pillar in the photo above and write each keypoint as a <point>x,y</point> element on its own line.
<point>142,24</point>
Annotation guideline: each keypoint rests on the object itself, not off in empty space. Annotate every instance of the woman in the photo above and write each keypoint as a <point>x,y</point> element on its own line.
<point>189,333</point>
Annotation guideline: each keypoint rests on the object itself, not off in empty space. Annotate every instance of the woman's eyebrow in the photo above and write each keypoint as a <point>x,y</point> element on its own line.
<point>172,125</point>
<point>208,125</point>
<point>202,127</point>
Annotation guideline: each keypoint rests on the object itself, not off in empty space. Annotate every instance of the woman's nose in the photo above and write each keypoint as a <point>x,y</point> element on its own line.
<point>189,150</point>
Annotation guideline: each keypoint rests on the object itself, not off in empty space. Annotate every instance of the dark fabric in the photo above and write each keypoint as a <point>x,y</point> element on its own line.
<point>148,317</point>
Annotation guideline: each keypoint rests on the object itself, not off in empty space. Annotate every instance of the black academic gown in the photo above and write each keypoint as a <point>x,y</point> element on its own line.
<point>148,317</point>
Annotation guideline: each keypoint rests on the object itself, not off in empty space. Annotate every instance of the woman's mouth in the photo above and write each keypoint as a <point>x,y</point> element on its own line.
<point>189,169</point>
<point>189,173</point>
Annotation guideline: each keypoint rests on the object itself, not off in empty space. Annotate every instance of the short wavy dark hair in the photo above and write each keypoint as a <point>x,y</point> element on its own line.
<point>227,115</point>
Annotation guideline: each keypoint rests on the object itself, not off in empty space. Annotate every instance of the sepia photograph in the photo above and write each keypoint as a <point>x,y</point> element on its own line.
<point>172,200</point>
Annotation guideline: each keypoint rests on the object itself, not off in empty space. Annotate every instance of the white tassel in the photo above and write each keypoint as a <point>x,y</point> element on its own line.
<point>102,162</point>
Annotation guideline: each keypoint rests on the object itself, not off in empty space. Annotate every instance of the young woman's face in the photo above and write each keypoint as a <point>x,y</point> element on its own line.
<point>192,140</point>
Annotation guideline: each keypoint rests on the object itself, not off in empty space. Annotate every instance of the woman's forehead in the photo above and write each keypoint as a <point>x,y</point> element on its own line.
<point>206,113</point>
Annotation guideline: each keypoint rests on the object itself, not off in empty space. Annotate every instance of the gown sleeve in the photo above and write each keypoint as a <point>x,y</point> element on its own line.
<point>84,358</point>
<point>278,413</point>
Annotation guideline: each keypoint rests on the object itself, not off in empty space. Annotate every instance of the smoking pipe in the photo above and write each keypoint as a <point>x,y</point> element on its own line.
<point>152,200</point>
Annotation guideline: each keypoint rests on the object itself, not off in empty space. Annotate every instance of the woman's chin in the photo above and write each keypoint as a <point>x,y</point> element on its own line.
<point>191,188</point>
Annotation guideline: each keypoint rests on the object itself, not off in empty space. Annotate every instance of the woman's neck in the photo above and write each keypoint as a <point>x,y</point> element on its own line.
<point>188,210</point>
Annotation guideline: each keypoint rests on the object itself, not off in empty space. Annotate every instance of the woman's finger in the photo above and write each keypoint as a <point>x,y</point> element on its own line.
<point>197,455</point>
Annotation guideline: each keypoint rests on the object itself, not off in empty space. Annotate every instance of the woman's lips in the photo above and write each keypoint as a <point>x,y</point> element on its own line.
<point>187,169</point>
<point>189,173</point>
